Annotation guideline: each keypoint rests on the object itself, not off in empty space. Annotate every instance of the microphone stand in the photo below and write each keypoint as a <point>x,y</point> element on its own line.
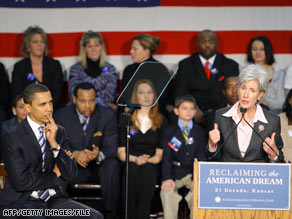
<point>243,111</point>
<point>128,115</point>
<point>257,132</point>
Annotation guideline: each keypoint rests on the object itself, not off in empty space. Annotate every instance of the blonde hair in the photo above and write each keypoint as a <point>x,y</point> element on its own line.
<point>147,42</point>
<point>27,35</point>
<point>84,41</point>
<point>154,115</point>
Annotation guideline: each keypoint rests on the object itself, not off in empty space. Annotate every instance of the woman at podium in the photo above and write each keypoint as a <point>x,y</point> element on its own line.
<point>246,132</point>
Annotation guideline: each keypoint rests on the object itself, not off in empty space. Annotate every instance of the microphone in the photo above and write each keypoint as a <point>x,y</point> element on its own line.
<point>132,107</point>
<point>243,111</point>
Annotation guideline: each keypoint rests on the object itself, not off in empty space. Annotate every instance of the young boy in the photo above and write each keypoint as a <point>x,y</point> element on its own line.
<point>182,142</point>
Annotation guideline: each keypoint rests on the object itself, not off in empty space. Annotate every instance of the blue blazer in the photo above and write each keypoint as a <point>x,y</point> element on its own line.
<point>23,160</point>
<point>102,129</point>
<point>176,165</point>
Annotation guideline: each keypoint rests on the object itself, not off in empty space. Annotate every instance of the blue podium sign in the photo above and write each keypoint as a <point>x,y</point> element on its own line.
<point>244,186</point>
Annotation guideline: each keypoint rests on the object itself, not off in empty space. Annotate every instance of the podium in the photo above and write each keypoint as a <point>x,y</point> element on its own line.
<point>211,213</point>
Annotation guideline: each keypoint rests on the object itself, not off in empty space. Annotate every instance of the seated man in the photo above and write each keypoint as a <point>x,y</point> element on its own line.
<point>93,137</point>
<point>203,73</point>
<point>230,92</point>
<point>36,161</point>
<point>19,113</point>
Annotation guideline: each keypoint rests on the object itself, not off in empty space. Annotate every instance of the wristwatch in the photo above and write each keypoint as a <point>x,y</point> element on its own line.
<point>57,148</point>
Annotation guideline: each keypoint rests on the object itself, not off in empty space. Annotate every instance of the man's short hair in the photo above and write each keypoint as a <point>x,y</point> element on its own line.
<point>184,98</point>
<point>30,90</point>
<point>83,86</point>
<point>16,99</point>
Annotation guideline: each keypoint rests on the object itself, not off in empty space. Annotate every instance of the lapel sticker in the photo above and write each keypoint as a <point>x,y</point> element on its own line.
<point>191,140</point>
<point>174,143</point>
<point>133,131</point>
<point>261,128</point>
<point>214,71</point>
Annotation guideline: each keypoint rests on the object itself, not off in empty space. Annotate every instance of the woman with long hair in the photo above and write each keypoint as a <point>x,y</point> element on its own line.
<point>37,67</point>
<point>94,68</point>
<point>144,149</point>
<point>260,51</point>
<point>286,127</point>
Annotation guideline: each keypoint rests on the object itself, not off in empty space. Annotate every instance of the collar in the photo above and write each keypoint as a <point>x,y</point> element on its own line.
<point>34,126</point>
<point>259,114</point>
<point>181,125</point>
<point>211,60</point>
<point>81,117</point>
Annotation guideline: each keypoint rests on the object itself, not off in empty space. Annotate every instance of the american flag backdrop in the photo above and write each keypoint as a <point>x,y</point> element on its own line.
<point>176,22</point>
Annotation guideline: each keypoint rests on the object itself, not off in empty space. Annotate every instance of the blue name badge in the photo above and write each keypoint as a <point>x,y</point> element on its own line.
<point>133,131</point>
<point>244,186</point>
<point>174,143</point>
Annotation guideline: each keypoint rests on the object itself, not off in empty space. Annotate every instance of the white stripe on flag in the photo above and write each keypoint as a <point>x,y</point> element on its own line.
<point>146,19</point>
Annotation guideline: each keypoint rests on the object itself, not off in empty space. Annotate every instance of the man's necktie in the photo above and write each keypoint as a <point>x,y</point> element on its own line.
<point>186,133</point>
<point>84,125</point>
<point>208,70</point>
<point>43,194</point>
<point>42,142</point>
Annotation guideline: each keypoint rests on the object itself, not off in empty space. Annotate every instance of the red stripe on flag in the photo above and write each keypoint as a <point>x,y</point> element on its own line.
<point>224,3</point>
<point>172,42</point>
<point>173,147</point>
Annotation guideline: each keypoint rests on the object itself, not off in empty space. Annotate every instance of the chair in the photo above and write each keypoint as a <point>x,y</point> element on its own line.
<point>3,175</point>
<point>87,192</point>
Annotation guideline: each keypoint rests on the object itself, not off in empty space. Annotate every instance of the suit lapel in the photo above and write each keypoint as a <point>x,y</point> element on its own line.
<point>30,137</point>
<point>180,137</point>
<point>215,68</point>
<point>77,127</point>
<point>198,66</point>
<point>91,128</point>
<point>28,67</point>
<point>48,157</point>
<point>255,140</point>
<point>234,138</point>
<point>45,69</point>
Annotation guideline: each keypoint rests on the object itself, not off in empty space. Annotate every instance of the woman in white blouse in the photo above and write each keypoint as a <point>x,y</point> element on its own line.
<point>235,136</point>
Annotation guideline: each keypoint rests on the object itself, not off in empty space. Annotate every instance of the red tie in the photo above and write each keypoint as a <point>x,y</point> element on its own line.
<point>207,70</point>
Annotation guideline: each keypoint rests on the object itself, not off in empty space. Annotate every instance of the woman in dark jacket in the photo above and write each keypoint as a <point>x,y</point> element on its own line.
<point>37,67</point>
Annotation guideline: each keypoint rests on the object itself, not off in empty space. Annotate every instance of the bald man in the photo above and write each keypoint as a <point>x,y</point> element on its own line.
<point>203,73</point>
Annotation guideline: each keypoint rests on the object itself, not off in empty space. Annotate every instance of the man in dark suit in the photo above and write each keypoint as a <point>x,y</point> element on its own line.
<point>202,74</point>
<point>19,113</point>
<point>35,158</point>
<point>93,137</point>
<point>230,92</point>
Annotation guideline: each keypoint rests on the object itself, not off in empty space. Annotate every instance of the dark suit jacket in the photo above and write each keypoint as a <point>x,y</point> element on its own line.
<point>52,78</point>
<point>186,153</point>
<point>191,78</point>
<point>23,161</point>
<point>8,125</point>
<point>5,90</point>
<point>255,152</point>
<point>101,130</point>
